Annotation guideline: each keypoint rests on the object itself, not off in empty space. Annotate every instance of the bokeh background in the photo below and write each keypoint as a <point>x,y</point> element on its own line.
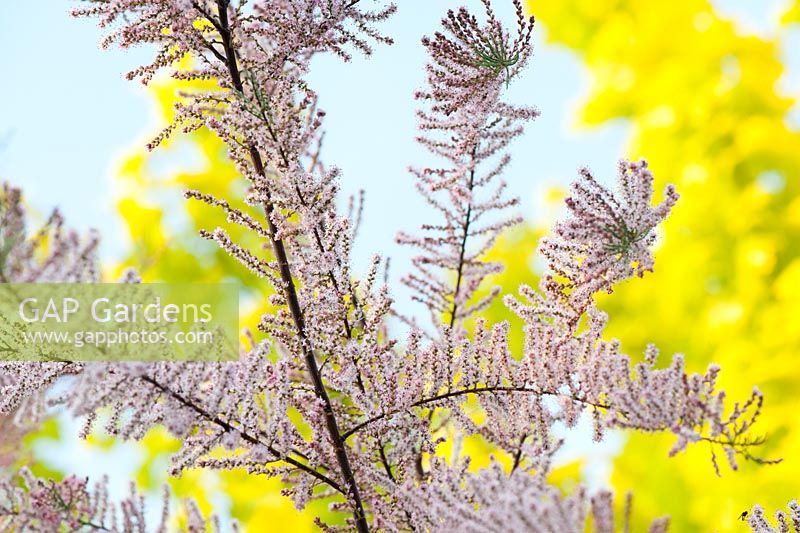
<point>706,91</point>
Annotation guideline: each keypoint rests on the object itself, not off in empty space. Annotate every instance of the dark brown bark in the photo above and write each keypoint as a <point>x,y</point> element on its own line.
<point>290,291</point>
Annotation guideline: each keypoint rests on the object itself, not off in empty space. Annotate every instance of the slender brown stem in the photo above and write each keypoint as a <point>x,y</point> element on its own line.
<point>92,525</point>
<point>518,455</point>
<point>228,427</point>
<point>459,276</point>
<point>385,462</point>
<point>285,159</point>
<point>462,392</point>
<point>463,248</point>
<point>290,292</point>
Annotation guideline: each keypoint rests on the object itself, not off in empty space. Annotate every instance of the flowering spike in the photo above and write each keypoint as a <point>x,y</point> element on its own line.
<point>467,124</point>
<point>29,503</point>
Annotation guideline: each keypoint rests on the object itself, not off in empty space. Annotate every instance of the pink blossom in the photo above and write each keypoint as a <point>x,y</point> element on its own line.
<point>330,400</point>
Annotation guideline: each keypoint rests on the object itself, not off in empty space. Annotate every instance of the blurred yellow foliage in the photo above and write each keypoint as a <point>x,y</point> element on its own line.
<point>162,226</point>
<point>792,14</point>
<point>703,107</point>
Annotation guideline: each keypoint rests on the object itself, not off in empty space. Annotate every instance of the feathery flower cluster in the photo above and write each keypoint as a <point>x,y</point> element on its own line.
<point>606,239</point>
<point>469,60</point>
<point>29,503</point>
<point>785,523</point>
<point>501,502</point>
<point>466,124</point>
<point>331,402</point>
<point>52,253</point>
